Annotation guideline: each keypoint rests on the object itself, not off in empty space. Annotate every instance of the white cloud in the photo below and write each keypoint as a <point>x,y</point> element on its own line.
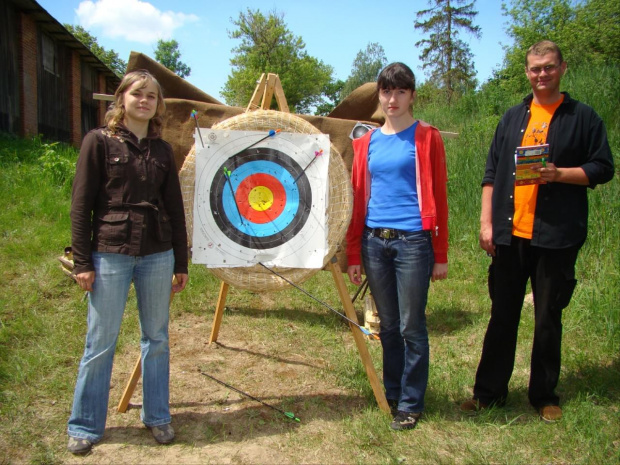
<point>131,20</point>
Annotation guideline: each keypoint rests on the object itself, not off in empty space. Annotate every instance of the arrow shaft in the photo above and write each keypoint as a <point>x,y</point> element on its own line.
<point>244,393</point>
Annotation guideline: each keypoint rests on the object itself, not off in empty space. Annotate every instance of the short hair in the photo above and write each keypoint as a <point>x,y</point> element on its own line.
<point>396,76</point>
<point>542,48</point>
<point>116,113</point>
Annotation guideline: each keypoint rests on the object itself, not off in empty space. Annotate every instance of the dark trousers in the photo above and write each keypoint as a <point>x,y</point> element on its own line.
<point>552,275</point>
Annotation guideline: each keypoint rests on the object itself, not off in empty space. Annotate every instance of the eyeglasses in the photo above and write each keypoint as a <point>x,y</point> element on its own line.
<point>548,69</point>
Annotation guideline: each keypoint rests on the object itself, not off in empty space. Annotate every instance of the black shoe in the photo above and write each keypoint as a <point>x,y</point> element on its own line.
<point>163,434</point>
<point>405,420</point>
<point>393,403</point>
<point>79,446</point>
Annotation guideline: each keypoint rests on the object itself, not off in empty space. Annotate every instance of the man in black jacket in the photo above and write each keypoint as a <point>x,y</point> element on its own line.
<point>534,228</point>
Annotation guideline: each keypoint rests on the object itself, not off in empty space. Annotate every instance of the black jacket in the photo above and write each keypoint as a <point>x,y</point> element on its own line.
<point>126,199</point>
<point>576,138</point>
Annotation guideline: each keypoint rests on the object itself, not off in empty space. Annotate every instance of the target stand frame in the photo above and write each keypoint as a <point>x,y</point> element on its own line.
<point>267,87</point>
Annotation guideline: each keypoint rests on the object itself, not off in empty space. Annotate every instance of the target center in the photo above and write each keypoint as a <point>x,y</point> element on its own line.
<point>261,198</point>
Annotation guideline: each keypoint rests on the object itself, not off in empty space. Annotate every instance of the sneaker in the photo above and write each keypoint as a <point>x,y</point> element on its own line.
<point>473,406</point>
<point>393,403</point>
<point>405,420</point>
<point>163,434</point>
<point>79,446</point>
<point>550,413</point>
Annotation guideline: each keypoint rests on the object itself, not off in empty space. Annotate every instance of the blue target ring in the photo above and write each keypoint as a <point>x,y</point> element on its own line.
<point>226,209</point>
<point>280,223</point>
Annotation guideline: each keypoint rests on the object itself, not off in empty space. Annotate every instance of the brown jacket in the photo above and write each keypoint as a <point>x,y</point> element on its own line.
<point>126,199</point>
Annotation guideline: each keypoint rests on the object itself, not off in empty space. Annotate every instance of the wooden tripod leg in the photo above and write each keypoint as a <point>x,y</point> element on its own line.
<point>360,341</point>
<point>219,312</point>
<point>131,386</point>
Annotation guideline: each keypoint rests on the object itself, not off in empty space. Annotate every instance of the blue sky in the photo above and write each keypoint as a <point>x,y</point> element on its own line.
<point>334,31</point>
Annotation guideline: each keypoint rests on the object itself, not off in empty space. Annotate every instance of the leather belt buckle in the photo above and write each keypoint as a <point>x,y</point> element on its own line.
<point>386,233</point>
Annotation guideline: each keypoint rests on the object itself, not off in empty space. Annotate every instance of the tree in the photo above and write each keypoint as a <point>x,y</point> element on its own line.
<point>587,32</point>
<point>531,22</point>
<point>109,58</point>
<point>167,53</point>
<point>594,36</point>
<point>445,55</point>
<point>267,46</point>
<point>332,97</point>
<point>366,67</point>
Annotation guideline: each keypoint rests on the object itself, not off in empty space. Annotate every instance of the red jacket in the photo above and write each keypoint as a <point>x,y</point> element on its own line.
<point>431,179</point>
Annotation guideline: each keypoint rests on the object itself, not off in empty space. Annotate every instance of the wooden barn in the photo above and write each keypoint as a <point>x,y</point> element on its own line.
<point>48,77</point>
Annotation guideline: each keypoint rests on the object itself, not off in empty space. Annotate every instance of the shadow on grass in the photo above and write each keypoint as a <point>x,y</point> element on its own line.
<point>310,316</point>
<point>592,381</point>
<point>200,424</point>
<point>448,319</point>
<point>601,379</point>
<point>265,355</point>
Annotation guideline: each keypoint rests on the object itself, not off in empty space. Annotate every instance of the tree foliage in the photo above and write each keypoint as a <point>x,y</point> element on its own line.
<point>445,55</point>
<point>109,57</point>
<point>333,95</point>
<point>267,46</point>
<point>366,67</point>
<point>168,54</point>
<point>587,32</point>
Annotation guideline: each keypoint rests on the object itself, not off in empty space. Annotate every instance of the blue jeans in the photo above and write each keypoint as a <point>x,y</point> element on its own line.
<point>152,278</point>
<point>399,272</point>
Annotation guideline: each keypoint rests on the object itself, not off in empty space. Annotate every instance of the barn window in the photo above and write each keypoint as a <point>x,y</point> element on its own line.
<point>50,60</point>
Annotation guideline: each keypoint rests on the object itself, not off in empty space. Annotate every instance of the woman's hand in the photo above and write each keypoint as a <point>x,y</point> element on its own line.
<point>355,274</point>
<point>440,271</point>
<point>86,280</point>
<point>180,282</point>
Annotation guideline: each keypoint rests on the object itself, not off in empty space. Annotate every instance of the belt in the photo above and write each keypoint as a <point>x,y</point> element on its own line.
<point>386,233</point>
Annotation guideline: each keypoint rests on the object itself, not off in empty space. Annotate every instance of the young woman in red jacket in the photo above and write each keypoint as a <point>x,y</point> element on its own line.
<point>399,233</point>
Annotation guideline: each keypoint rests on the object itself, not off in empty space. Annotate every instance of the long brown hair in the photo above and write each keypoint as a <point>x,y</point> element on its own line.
<point>116,113</point>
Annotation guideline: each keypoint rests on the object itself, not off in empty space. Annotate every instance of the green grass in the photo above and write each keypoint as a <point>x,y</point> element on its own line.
<point>42,324</point>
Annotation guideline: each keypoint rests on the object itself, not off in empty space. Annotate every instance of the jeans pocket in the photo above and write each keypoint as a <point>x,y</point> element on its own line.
<point>418,237</point>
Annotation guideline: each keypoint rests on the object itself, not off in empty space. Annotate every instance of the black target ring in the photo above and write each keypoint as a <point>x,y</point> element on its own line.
<point>225,205</point>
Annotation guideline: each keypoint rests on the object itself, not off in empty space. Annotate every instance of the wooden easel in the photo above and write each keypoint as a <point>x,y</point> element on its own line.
<point>264,92</point>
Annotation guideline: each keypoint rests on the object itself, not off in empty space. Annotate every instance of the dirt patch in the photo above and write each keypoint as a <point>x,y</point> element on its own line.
<point>215,424</point>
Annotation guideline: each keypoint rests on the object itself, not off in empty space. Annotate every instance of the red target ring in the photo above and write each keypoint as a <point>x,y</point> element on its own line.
<point>261,198</point>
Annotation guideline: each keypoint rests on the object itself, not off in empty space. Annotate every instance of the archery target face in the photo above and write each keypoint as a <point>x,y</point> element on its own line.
<point>260,198</point>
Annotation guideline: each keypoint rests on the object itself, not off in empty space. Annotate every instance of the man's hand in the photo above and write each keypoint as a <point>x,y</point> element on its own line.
<point>551,173</point>
<point>486,238</point>
<point>486,220</point>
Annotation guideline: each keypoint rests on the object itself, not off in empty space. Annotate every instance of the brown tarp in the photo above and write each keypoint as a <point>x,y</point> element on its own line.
<point>182,97</point>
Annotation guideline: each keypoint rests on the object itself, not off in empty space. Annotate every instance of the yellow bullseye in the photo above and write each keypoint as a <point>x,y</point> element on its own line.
<point>261,198</point>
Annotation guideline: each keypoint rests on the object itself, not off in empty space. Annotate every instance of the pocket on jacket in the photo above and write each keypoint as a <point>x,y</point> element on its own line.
<point>164,228</point>
<point>113,228</point>
<point>161,171</point>
<point>117,164</point>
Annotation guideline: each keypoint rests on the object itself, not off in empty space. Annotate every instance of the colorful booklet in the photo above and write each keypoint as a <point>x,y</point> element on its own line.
<point>527,157</point>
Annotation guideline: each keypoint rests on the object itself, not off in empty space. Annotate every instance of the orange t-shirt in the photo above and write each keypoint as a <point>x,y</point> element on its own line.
<point>525,196</point>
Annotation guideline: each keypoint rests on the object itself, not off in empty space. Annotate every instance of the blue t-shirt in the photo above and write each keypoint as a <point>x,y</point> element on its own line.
<point>393,194</point>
